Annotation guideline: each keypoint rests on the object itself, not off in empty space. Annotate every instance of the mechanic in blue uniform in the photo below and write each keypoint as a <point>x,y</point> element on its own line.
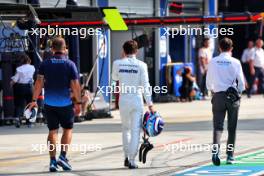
<point>59,76</point>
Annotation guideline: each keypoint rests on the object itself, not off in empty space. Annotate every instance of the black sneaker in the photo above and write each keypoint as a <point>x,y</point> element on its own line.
<point>216,160</point>
<point>64,163</point>
<point>126,162</point>
<point>132,166</point>
<point>230,160</point>
<point>53,166</point>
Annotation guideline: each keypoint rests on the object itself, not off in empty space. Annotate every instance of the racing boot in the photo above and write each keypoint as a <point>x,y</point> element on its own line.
<point>126,162</point>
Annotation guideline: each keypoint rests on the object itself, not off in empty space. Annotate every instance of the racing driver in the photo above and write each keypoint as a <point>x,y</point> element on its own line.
<point>133,80</point>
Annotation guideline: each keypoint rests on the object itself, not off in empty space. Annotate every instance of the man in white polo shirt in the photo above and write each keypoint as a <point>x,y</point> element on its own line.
<point>245,59</point>
<point>204,56</point>
<point>224,72</point>
<point>257,65</point>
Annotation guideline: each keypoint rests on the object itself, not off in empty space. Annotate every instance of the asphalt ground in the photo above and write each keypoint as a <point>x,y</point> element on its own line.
<point>183,148</point>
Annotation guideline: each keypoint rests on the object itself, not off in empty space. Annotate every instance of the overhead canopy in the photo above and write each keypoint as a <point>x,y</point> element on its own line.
<point>16,11</point>
<point>230,18</point>
<point>94,17</point>
<point>69,14</point>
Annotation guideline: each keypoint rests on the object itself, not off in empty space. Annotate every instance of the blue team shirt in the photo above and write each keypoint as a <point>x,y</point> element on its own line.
<point>58,72</point>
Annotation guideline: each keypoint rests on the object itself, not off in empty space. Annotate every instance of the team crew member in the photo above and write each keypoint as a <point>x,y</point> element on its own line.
<point>205,55</point>
<point>132,76</point>
<point>246,66</point>
<point>257,66</point>
<point>224,72</point>
<point>58,75</point>
<point>186,88</point>
<point>22,83</point>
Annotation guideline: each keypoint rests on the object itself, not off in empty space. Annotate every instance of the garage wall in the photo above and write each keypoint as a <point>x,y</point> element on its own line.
<point>117,41</point>
<point>62,3</point>
<point>134,8</point>
<point>140,7</point>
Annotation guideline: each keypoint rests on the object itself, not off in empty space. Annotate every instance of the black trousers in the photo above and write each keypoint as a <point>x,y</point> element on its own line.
<point>202,84</point>
<point>221,107</point>
<point>185,91</point>
<point>259,73</point>
<point>23,96</point>
<point>250,78</point>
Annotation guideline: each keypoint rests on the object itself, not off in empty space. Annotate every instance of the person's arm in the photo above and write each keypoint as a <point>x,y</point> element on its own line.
<point>251,67</point>
<point>240,79</point>
<point>190,77</point>
<point>251,56</point>
<point>76,89</point>
<point>38,86</point>
<point>202,62</point>
<point>37,90</point>
<point>209,83</point>
<point>145,83</point>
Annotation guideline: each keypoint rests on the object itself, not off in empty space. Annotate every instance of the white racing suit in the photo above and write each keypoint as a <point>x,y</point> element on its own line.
<point>133,80</point>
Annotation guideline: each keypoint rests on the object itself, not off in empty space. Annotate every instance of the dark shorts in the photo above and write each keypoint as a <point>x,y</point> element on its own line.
<point>59,116</point>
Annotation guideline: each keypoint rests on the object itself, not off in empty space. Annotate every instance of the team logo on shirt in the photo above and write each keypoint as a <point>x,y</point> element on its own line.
<point>223,63</point>
<point>57,61</point>
<point>128,71</point>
